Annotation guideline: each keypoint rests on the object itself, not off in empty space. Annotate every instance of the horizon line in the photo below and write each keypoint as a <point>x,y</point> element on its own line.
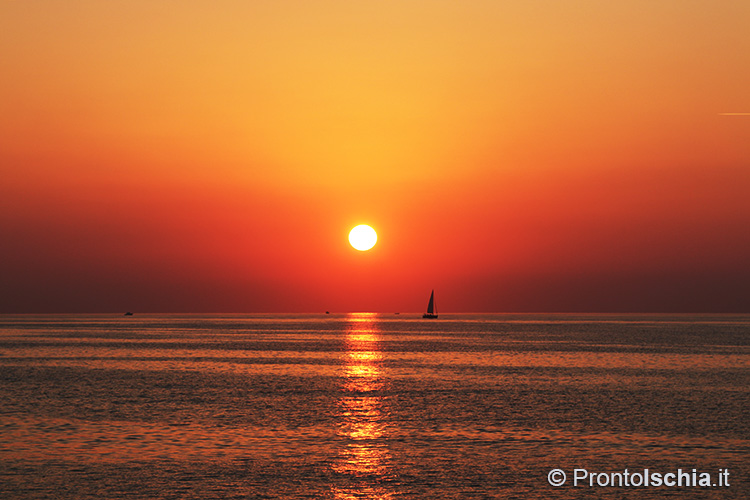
<point>394,313</point>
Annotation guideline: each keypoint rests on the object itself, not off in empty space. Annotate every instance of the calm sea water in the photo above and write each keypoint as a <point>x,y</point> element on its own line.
<point>369,405</point>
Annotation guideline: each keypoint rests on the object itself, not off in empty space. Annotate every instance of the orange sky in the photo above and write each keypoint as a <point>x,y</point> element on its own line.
<point>515,156</point>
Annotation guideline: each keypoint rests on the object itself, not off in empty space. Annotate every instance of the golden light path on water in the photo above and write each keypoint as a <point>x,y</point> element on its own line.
<point>364,414</point>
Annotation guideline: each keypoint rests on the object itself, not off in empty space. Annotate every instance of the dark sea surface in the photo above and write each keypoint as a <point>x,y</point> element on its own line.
<point>370,405</point>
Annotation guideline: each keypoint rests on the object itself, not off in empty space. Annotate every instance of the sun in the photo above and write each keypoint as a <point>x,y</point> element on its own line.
<point>363,237</point>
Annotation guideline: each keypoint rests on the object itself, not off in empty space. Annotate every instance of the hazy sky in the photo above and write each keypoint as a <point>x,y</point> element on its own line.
<point>513,155</point>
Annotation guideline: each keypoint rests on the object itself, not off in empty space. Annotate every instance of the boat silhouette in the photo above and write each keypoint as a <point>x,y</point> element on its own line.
<point>431,309</point>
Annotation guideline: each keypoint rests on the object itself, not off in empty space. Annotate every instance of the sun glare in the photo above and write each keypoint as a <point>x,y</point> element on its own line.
<point>363,237</point>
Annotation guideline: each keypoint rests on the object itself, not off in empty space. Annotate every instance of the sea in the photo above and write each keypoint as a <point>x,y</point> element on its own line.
<point>374,406</point>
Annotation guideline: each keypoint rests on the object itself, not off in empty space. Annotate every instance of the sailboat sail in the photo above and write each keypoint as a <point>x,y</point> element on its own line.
<point>431,309</point>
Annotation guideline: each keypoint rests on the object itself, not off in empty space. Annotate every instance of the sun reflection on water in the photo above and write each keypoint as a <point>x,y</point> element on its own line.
<point>364,415</point>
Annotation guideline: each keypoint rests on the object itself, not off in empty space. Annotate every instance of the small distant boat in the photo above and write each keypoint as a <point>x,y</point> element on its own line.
<point>431,309</point>
<point>128,313</point>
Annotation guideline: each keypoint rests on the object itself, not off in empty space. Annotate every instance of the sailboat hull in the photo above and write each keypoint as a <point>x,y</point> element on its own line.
<point>429,316</point>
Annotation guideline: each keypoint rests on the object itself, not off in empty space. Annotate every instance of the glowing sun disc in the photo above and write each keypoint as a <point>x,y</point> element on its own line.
<point>363,237</point>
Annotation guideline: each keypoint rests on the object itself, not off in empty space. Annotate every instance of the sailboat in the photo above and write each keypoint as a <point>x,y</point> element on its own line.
<point>431,309</point>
